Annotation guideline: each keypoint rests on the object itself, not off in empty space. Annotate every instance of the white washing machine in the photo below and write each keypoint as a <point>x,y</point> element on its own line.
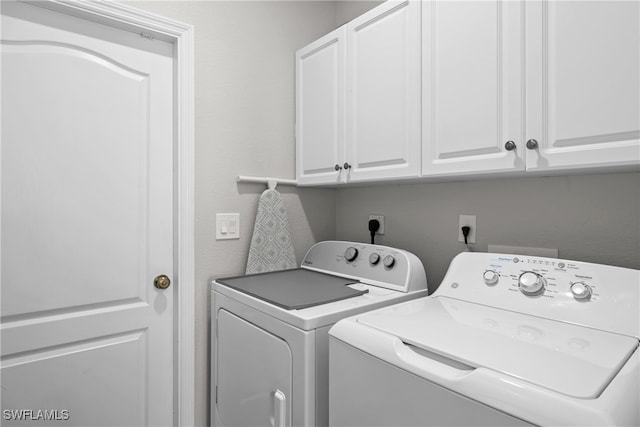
<point>505,340</point>
<point>269,334</point>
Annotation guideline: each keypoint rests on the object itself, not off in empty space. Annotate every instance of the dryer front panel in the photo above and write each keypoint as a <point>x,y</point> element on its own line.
<point>254,370</point>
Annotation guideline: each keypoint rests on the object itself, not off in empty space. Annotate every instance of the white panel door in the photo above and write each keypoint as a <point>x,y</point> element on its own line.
<point>254,375</point>
<point>86,225</point>
<point>583,90</point>
<point>472,87</point>
<point>383,81</point>
<point>320,110</point>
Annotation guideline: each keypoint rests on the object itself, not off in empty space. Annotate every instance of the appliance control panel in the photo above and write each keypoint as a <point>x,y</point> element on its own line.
<point>377,265</point>
<point>595,295</point>
<point>545,277</point>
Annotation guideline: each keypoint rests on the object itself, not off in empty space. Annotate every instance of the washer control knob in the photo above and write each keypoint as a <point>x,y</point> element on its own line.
<point>581,291</point>
<point>531,283</point>
<point>389,261</point>
<point>351,254</point>
<point>491,277</point>
<point>374,259</point>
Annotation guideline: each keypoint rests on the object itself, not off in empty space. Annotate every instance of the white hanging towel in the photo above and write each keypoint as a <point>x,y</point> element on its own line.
<point>271,248</point>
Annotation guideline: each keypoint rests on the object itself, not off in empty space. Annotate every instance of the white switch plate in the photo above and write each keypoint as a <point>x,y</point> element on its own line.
<point>227,226</point>
<point>380,219</point>
<point>469,220</point>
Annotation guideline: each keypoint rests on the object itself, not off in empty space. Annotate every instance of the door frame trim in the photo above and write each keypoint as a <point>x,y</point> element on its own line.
<point>181,35</point>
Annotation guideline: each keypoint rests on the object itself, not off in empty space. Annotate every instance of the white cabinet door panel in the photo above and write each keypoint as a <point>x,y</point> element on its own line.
<point>383,109</point>
<point>472,75</point>
<point>583,90</point>
<point>320,110</point>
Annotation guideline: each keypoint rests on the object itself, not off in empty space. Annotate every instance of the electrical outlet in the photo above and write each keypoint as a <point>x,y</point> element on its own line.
<point>380,219</point>
<point>470,221</point>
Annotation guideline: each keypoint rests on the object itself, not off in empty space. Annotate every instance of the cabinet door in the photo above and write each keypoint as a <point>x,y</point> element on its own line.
<point>383,109</point>
<point>582,88</point>
<point>472,87</point>
<point>320,110</point>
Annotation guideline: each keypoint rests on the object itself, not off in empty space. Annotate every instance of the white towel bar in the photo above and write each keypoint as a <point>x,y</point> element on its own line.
<point>271,182</point>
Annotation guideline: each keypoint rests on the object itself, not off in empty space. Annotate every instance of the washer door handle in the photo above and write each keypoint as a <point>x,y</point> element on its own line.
<point>279,409</point>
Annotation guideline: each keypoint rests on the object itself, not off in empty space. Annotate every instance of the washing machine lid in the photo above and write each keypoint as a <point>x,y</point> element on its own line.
<point>566,358</point>
<point>294,289</point>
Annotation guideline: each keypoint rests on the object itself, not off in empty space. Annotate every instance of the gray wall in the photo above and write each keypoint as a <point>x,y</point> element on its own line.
<point>347,10</point>
<point>594,218</point>
<point>244,125</point>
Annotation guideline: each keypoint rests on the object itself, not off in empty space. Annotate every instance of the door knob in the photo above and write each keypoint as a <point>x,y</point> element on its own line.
<point>510,146</point>
<point>337,167</point>
<point>532,144</point>
<point>162,282</point>
<point>347,165</point>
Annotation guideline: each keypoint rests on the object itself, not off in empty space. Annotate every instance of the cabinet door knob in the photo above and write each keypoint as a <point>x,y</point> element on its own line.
<point>532,144</point>
<point>337,167</point>
<point>347,165</point>
<point>509,145</point>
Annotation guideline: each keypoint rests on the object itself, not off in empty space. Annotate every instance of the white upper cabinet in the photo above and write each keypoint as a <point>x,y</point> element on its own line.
<point>358,99</point>
<point>383,102</point>
<point>559,79</point>
<point>583,84</point>
<point>472,54</point>
<point>320,110</point>
<point>449,88</point>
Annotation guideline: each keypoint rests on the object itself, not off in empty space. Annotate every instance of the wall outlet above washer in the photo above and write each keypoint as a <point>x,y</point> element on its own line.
<point>469,221</point>
<point>380,219</point>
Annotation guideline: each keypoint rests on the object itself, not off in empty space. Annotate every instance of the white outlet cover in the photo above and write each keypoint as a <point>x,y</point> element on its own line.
<point>227,226</point>
<point>380,219</point>
<point>467,220</point>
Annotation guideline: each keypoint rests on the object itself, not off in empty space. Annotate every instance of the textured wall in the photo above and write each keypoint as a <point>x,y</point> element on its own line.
<point>593,218</point>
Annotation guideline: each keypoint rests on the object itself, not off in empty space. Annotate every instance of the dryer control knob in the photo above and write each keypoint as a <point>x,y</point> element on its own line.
<point>491,277</point>
<point>581,291</point>
<point>350,254</point>
<point>374,259</point>
<point>531,283</point>
<point>389,261</point>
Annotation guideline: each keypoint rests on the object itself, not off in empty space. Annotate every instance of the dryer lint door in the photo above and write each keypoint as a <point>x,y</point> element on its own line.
<point>253,375</point>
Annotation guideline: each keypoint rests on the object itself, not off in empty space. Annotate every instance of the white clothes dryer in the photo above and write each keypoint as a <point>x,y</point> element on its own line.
<point>505,340</point>
<point>269,332</point>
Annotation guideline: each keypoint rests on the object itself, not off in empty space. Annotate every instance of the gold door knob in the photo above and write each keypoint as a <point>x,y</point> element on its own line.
<point>162,282</point>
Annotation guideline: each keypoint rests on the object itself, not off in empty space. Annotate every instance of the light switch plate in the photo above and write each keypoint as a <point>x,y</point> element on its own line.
<point>227,226</point>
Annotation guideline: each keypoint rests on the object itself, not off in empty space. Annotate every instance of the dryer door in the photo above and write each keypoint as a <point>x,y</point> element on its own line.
<point>254,375</point>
